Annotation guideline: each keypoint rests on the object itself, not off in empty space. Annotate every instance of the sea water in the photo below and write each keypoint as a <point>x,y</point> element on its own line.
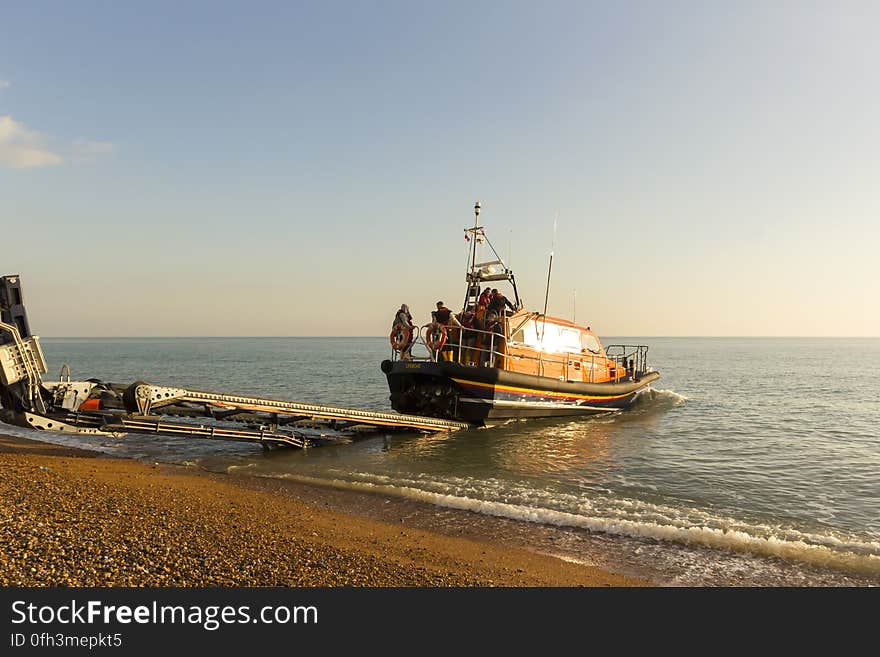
<point>752,461</point>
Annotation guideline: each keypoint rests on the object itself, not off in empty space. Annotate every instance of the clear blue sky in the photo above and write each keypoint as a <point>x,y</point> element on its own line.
<point>282,168</point>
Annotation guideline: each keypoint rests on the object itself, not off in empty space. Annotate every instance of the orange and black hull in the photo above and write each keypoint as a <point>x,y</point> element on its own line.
<point>481,394</point>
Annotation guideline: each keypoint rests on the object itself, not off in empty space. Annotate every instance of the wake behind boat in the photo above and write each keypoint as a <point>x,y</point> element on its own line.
<point>497,360</point>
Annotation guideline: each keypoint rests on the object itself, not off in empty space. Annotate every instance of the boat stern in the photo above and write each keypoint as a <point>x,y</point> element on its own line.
<point>421,388</point>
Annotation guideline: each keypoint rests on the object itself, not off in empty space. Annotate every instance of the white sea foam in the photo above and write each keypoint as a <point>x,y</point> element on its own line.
<point>653,395</point>
<point>78,441</point>
<point>646,521</point>
<point>232,469</point>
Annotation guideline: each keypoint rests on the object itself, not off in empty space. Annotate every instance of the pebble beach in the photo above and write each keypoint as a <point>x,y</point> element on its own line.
<point>70,517</point>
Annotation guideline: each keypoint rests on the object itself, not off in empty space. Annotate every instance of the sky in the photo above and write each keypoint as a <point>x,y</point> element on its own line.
<point>303,168</point>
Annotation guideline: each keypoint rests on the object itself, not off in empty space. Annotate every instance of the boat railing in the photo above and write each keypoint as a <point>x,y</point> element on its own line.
<point>633,358</point>
<point>480,348</point>
<point>465,346</point>
<point>583,363</point>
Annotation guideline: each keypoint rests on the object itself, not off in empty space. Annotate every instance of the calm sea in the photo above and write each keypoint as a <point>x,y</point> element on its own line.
<point>752,461</point>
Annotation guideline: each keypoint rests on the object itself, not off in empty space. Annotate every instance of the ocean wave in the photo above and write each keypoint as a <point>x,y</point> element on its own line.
<point>849,554</point>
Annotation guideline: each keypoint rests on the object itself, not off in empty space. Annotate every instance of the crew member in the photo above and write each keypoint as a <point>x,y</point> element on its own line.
<point>468,336</point>
<point>485,298</point>
<point>497,345</point>
<point>498,302</point>
<point>444,316</point>
<point>468,317</point>
<point>404,318</point>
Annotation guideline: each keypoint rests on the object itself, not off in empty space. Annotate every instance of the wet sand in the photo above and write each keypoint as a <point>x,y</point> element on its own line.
<point>69,517</point>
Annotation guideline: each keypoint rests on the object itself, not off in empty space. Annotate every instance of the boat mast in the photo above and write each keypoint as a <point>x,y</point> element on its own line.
<point>474,240</point>
<point>472,261</point>
<point>549,271</point>
<point>475,277</point>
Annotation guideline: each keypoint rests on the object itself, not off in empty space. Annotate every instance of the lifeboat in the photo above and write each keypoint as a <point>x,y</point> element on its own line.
<point>499,360</point>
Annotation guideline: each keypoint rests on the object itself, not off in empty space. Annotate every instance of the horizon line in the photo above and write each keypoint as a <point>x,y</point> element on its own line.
<point>344,337</point>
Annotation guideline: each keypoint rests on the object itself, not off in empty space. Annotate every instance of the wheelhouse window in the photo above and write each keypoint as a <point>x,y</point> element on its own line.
<point>554,338</point>
<point>526,334</point>
<point>590,343</point>
<point>569,339</point>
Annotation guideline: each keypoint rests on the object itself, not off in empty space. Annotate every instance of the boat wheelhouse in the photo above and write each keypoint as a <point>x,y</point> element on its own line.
<point>503,363</point>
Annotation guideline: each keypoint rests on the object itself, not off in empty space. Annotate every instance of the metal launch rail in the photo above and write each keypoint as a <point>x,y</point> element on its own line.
<point>96,408</point>
<point>150,397</point>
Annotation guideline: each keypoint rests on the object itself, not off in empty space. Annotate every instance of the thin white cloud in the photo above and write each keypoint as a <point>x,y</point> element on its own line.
<point>22,148</point>
<point>87,152</point>
<point>4,84</point>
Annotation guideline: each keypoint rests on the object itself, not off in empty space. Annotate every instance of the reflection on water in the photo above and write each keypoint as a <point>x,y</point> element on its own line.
<point>542,448</point>
<point>579,446</point>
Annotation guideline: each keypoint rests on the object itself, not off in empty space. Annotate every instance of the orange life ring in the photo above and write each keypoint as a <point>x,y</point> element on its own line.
<point>400,337</point>
<point>435,338</point>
